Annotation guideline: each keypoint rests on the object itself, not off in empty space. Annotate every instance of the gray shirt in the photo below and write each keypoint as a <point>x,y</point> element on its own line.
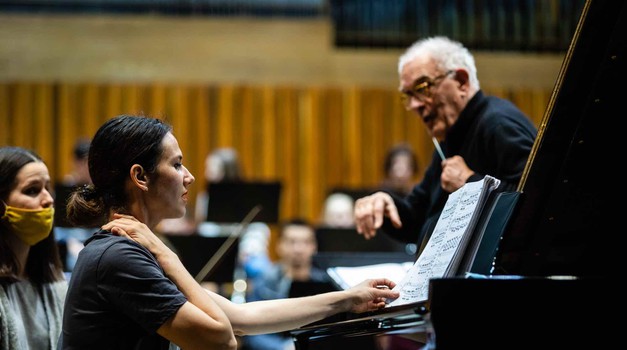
<point>30,315</point>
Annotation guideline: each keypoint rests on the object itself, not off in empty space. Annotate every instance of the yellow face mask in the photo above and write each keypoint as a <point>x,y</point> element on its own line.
<point>30,225</point>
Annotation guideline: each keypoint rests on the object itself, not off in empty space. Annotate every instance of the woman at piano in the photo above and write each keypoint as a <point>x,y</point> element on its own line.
<point>128,290</point>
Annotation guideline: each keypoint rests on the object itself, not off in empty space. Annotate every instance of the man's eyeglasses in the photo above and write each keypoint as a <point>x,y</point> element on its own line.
<point>421,90</point>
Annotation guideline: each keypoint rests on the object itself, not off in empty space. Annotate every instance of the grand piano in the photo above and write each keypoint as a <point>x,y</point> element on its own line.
<point>549,252</point>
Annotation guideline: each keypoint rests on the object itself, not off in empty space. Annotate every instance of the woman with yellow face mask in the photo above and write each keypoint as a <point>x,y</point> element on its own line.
<point>32,285</point>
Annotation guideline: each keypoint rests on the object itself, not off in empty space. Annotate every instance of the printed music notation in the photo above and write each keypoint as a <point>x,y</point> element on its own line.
<point>448,240</point>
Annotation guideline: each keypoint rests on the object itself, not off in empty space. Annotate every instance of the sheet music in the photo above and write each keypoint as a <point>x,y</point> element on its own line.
<point>458,217</point>
<point>346,277</point>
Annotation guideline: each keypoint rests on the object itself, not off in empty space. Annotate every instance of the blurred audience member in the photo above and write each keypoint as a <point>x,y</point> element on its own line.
<point>221,165</point>
<point>295,248</point>
<point>401,168</point>
<point>337,211</point>
<point>79,175</point>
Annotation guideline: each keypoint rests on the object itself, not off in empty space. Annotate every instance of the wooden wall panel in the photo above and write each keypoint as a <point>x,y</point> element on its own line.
<point>311,138</point>
<point>353,138</point>
<point>4,114</point>
<point>308,153</point>
<point>287,150</point>
<point>113,101</point>
<point>22,115</point>
<point>65,124</point>
<point>224,124</point>
<point>332,150</point>
<point>198,135</point>
<point>269,134</point>
<point>43,139</point>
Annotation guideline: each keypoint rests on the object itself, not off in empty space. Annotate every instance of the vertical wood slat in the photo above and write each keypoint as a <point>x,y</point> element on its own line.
<point>333,152</point>
<point>268,137</point>
<point>352,135</point>
<point>65,126</point>
<point>4,114</point>
<point>309,138</point>
<point>247,144</point>
<point>223,131</point>
<point>373,155</point>
<point>307,151</point>
<point>199,139</point>
<point>22,115</point>
<point>288,150</point>
<point>43,140</point>
<point>89,119</point>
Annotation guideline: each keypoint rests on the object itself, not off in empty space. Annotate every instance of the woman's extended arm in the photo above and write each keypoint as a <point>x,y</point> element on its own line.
<point>266,316</point>
<point>270,316</point>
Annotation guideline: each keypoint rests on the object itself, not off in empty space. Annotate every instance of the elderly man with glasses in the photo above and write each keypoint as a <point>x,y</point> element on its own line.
<point>478,134</point>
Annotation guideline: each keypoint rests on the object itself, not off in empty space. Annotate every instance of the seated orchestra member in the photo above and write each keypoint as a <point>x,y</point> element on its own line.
<point>295,248</point>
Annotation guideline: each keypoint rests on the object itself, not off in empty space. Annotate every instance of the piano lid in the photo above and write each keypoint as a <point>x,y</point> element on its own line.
<point>566,223</point>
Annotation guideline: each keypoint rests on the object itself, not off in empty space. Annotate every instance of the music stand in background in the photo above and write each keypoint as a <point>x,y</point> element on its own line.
<point>306,288</point>
<point>231,201</point>
<point>332,239</point>
<point>194,251</point>
<point>345,247</point>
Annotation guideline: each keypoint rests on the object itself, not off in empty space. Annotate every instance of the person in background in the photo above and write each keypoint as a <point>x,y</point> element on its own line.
<point>79,175</point>
<point>129,290</point>
<point>32,285</point>
<point>401,168</point>
<point>479,135</point>
<point>72,238</point>
<point>221,165</point>
<point>295,249</point>
<point>337,211</point>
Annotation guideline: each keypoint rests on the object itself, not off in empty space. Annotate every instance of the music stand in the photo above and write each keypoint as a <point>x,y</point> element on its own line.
<point>231,201</point>
<point>195,250</point>
<point>306,288</point>
<point>333,239</point>
<point>324,260</point>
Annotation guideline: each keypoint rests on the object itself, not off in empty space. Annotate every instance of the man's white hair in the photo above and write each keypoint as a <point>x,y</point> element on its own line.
<point>447,54</point>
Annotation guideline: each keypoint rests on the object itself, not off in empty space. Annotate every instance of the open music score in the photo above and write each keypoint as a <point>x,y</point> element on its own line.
<point>346,277</point>
<point>445,248</point>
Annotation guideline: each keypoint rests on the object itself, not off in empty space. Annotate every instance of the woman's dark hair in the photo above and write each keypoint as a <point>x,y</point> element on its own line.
<point>119,143</point>
<point>43,264</point>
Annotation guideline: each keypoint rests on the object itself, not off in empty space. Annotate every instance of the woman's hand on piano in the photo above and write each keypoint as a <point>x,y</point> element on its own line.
<point>371,294</point>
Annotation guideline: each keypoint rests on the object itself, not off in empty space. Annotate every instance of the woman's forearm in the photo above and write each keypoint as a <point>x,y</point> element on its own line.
<point>271,316</point>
